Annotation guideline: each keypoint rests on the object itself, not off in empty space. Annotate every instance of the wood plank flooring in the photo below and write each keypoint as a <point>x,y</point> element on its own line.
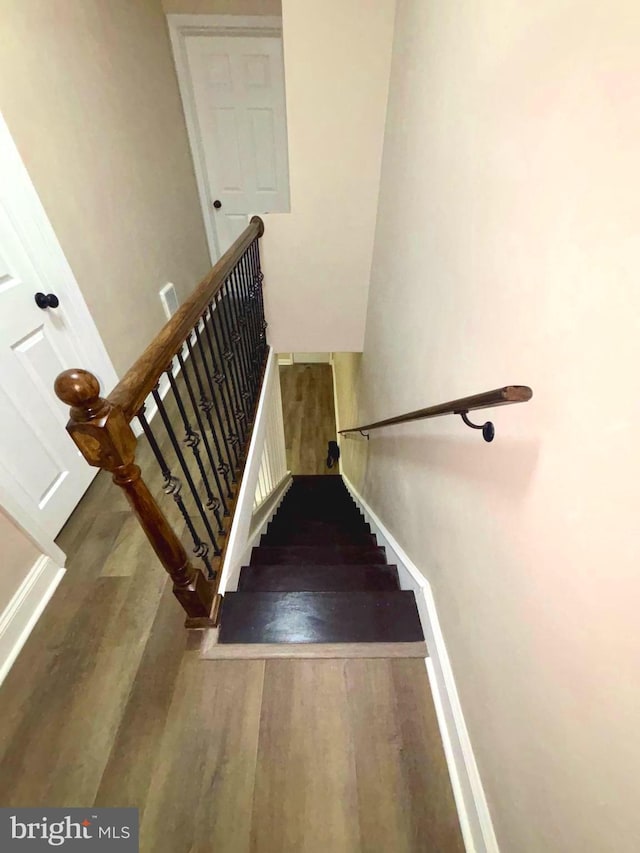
<point>110,703</point>
<point>212,650</point>
<point>309,416</point>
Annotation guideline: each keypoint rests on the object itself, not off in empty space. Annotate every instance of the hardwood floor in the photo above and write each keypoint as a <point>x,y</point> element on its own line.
<point>293,756</point>
<point>309,416</point>
<point>109,703</point>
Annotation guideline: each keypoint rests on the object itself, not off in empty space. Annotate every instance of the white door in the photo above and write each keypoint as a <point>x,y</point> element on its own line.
<point>43,473</point>
<point>238,93</point>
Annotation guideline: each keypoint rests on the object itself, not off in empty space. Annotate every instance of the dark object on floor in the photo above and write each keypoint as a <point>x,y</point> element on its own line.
<point>333,454</point>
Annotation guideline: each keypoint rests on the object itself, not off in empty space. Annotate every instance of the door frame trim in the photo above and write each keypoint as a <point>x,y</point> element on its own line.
<point>180,28</point>
<point>18,511</point>
<point>32,224</point>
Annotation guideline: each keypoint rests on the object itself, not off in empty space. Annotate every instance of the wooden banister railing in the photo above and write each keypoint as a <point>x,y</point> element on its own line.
<point>137,383</point>
<point>464,405</point>
<point>202,375</point>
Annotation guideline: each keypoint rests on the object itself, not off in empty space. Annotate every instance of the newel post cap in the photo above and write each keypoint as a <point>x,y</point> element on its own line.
<point>80,389</point>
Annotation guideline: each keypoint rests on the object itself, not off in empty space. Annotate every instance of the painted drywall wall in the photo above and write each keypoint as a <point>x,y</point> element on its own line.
<point>311,357</point>
<point>17,556</point>
<point>222,7</point>
<point>507,252</point>
<point>89,92</point>
<point>317,258</point>
<point>347,367</point>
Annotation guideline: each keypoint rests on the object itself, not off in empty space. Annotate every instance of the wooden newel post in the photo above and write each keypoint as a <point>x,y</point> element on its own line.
<point>106,440</point>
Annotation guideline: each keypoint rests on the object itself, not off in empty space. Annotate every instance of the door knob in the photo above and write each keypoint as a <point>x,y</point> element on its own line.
<point>217,204</point>
<point>46,300</point>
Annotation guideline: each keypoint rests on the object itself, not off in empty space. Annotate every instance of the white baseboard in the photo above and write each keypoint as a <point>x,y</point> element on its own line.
<point>473,811</point>
<point>25,608</point>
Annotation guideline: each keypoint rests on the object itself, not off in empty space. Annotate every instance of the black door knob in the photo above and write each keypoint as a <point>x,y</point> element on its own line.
<point>46,300</point>
<point>217,204</point>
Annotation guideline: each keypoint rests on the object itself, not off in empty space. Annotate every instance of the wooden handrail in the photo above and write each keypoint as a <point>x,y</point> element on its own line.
<point>138,382</point>
<point>215,401</point>
<point>486,400</point>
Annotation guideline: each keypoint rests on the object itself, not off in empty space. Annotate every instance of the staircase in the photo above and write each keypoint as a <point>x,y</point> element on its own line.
<point>319,576</point>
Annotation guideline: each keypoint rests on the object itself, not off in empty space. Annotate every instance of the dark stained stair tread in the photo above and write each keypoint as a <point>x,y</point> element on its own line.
<point>318,554</point>
<point>291,577</point>
<point>328,493</point>
<point>316,482</point>
<point>345,519</point>
<point>314,537</point>
<point>344,515</point>
<point>324,509</point>
<point>320,617</point>
<point>319,526</point>
<point>326,503</point>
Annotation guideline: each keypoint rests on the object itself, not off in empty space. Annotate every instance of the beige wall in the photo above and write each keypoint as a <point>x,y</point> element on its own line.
<point>347,367</point>
<point>89,92</point>
<point>317,258</point>
<point>17,556</point>
<point>507,250</point>
<point>222,7</point>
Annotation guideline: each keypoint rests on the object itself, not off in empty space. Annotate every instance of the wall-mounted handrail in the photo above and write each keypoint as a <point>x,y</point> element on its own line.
<point>464,405</point>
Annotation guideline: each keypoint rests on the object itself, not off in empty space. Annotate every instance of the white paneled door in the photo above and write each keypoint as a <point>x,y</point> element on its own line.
<point>238,92</point>
<point>42,472</point>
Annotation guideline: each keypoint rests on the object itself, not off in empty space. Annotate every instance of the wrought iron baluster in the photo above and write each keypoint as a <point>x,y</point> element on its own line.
<point>231,354</point>
<point>240,325</point>
<point>257,278</point>
<point>250,290</point>
<point>255,249</point>
<point>253,273</point>
<point>206,405</point>
<point>225,378</point>
<point>235,333</point>
<point>218,378</point>
<point>252,296</point>
<point>197,410</point>
<point>192,439</point>
<point>173,487</point>
<point>218,314</point>
<point>185,470</point>
<point>244,321</point>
